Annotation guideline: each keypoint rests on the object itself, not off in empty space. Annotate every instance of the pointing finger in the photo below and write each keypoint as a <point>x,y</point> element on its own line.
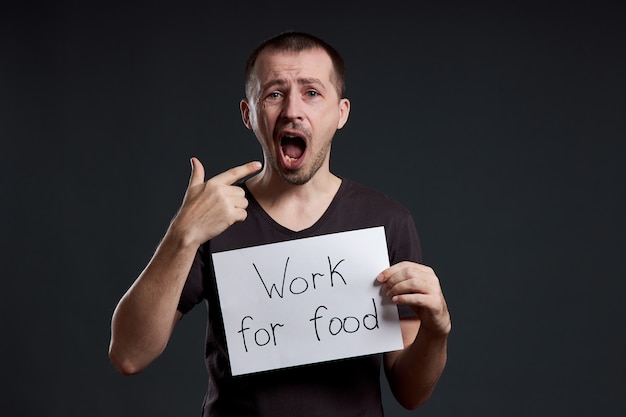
<point>235,174</point>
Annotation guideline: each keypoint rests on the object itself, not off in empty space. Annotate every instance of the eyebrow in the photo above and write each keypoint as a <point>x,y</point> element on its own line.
<point>301,81</point>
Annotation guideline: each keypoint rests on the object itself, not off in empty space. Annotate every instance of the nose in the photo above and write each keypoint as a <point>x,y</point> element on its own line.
<point>293,107</point>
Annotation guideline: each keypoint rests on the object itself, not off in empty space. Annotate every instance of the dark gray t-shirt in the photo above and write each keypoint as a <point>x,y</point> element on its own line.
<point>347,387</point>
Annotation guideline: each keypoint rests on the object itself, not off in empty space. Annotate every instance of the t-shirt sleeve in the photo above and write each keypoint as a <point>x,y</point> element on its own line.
<point>193,291</point>
<point>403,241</point>
<point>404,245</point>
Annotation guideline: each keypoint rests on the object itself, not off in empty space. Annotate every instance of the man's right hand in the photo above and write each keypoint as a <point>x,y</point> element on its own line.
<point>210,207</point>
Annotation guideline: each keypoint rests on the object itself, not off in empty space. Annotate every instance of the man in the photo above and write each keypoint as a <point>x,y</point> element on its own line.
<point>294,105</point>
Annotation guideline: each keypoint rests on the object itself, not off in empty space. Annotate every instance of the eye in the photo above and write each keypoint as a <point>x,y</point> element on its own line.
<point>312,93</point>
<point>273,95</point>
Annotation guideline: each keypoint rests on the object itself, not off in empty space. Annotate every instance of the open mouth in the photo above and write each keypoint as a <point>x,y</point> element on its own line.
<point>292,148</point>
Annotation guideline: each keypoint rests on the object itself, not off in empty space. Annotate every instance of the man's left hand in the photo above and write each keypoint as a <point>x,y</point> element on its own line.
<point>417,286</point>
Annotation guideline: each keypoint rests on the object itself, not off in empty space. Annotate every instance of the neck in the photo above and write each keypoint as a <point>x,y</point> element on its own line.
<point>295,207</point>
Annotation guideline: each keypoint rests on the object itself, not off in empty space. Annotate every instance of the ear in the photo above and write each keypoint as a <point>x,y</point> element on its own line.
<point>244,107</point>
<point>344,112</point>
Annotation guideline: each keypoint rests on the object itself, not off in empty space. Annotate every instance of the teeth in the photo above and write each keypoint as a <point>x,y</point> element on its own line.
<point>290,159</point>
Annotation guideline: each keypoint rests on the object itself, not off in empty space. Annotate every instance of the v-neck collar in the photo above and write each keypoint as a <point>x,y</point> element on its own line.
<point>293,233</point>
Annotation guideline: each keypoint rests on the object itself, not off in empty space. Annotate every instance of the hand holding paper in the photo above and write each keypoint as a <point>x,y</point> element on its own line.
<point>417,286</point>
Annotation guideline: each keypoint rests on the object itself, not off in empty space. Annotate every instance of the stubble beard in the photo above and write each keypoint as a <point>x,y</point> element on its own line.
<point>300,176</point>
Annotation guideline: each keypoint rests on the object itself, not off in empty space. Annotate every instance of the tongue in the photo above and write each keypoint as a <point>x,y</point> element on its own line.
<point>293,147</point>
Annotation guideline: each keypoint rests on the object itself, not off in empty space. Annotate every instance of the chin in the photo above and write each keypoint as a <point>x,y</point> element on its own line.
<point>295,178</point>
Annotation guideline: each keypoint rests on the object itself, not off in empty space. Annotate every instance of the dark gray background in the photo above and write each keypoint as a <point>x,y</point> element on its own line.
<point>501,127</point>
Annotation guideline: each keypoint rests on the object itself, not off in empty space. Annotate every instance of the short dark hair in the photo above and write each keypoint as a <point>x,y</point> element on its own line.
<point>292,41</point>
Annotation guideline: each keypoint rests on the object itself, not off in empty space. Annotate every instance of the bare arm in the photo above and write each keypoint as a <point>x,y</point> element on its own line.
<point>414,371</point>
<point>147,313</point>
<point>145,316</point>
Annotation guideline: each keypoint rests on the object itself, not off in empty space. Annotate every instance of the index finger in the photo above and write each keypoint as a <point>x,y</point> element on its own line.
<point>233,175</point>
<point>387,273</point>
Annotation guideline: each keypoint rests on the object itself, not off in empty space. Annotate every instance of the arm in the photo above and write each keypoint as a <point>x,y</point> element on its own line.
<point>145,316</point>
<point>414,371</point>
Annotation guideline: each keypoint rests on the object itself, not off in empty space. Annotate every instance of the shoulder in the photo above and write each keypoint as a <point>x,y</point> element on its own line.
<point>359,205</point>
<point>367,196</point>
<point>365,206</point>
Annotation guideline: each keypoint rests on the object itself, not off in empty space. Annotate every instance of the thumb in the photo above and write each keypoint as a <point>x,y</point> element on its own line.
<point>197,172</point>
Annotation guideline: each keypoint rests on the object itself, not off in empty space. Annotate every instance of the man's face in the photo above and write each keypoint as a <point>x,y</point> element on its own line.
<point>294,111</point>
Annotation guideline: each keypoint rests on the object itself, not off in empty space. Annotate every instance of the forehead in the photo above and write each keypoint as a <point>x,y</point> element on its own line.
<point>310,63</point>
